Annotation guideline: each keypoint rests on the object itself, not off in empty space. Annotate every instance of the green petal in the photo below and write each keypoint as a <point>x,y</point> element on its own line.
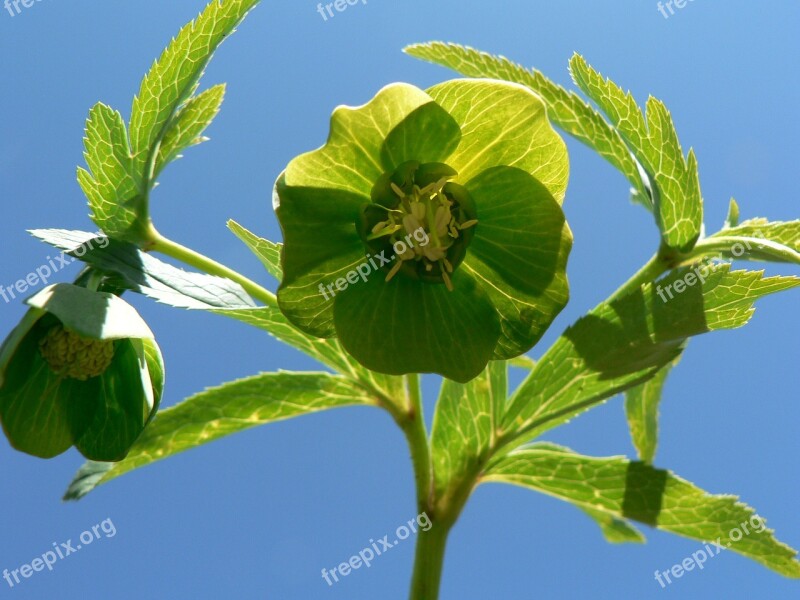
<point>519,254</point>
<point>15,338</point>
<point>96,315</point>
<point>408,326</point>
<point>120,407</point>
<point>351,160</point>
<point>503,124</point>
<point>321,244</point>
<point>34,401</point>
<point>427,135</point>
<point>154,369</point>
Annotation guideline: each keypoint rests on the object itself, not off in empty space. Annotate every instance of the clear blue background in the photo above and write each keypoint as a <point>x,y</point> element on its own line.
<point>257,515</point>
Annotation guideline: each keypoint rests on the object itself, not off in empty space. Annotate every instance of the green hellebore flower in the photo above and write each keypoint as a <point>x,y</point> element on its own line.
<point>427,233</point>
<point>81,369</point>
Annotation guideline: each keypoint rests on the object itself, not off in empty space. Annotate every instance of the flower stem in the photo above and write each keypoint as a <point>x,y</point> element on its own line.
<point>207,265</point>
<point>428,562</point>
<point>657,265</point>
<point>413,425</point>
<point>429,557</point>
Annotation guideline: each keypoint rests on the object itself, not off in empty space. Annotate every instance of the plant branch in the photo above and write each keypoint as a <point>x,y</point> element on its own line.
<point>195,259</point>
<point>657,265</point>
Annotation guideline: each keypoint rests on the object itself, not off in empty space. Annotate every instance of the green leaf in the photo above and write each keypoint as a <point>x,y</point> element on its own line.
<point>519,254</point>
<point>388,388</point>
<point>522,362</point>
<point>759,239</point>
<point>351,161</point>
<point>464,425</point>
<point>503,125</point>
<point>269,253</point>
<point>654,142</point>
<point>566,109</point>
<point>415,327</point>
<point>625,343</point>
<point>732,220</point>
<point>614,529</point>
<point>144,273</point>
<point>224,410</point>
<point>112,184</point>
<point>174,77</point>
<point>165,120</point>
<point>641,408</point>
<point>190,123</point>
<point>633,490</point>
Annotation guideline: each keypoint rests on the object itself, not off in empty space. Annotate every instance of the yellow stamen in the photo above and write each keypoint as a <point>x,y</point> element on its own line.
<point>394,270</point>
<point>447,282</point>
<point>397,190</point>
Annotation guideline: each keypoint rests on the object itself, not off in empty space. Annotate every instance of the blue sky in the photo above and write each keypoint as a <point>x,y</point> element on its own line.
<point>258,515</point>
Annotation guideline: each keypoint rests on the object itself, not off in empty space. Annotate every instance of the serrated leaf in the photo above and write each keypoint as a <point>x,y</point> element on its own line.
<point>566,109</point>
<point>144,273</point>
<point>190,123</point>
<point>464,425</point>
<point>224,410</point>
<point>389,389</point>
<point>633,490</point>
<point>112,184</point>
<point>732,220</point>
<point>625,343</point>
<point>654,142</point>
<point>641,409</point>
<point>614,529</point>
<point>759,239</point>
<point>174,77</point>
<point>269,253</point>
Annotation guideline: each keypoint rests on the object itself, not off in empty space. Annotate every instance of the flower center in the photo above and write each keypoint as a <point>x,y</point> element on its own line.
<point>71,355</point>
<point>426,220</point>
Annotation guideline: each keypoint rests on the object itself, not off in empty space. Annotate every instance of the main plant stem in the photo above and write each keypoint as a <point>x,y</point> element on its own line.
<point>428,562</point>
<point>442,514</point>
<point>429,558</point>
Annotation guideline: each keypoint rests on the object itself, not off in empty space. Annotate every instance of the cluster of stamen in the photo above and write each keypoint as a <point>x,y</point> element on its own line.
<point>74,356</point>
<point>426,209</point>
